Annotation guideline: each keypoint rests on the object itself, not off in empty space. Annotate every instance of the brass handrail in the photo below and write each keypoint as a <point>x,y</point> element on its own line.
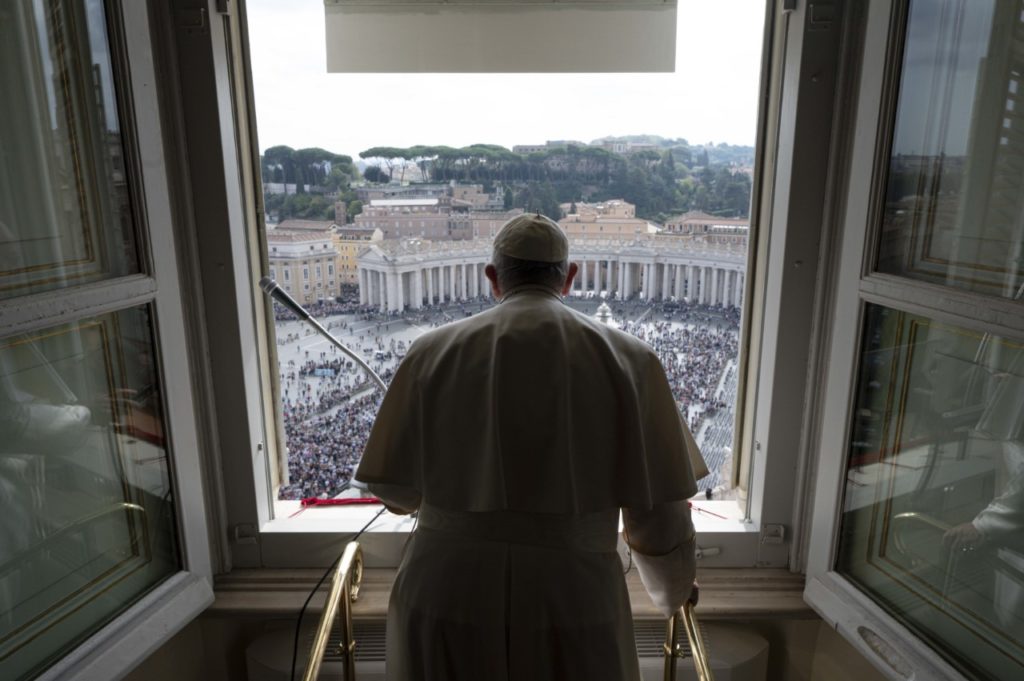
<point>1011,571</point>
<point>901,519</point>
<point>344,591</point>
<point>696,638</point>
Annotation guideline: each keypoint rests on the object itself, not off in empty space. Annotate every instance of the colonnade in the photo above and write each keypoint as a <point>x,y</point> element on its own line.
<point>650,279</point>
<point>395,286</point>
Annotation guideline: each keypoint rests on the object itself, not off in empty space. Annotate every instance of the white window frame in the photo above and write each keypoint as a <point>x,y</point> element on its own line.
<point>153,619</point>
<point>839,602</point>
<point>790,158</point>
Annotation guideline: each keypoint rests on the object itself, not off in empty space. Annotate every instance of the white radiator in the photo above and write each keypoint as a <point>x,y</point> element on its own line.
<point>736,653</point>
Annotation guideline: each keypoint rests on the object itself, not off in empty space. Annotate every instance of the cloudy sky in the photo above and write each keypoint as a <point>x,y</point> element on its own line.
<point>712,96</point>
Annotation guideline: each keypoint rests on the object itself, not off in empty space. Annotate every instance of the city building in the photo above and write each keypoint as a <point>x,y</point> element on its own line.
<point>350,241</point>
<point>307,226</point>
<point>304,263</point>
<point>710,228</point>
<point>399,274</point>
<point>607,219</point>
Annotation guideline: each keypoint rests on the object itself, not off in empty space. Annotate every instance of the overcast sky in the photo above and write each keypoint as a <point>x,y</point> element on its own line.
<point>712,97</point>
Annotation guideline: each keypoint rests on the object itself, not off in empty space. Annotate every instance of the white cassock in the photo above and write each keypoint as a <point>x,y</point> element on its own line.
<point>519,434</point>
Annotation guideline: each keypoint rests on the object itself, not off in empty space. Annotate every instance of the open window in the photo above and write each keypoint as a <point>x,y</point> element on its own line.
<point>761,523</point>
<point>919,493</point>
<point>660,227</point>
<point>103,531</point>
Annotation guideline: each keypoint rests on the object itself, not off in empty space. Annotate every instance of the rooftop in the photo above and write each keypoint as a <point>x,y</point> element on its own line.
<point>285,236</point>
<point>397,203</point>
<point>305,225</point>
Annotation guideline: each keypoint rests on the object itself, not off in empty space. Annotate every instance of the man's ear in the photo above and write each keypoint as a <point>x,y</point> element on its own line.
<point>492,276</point>
<point>573,269</point>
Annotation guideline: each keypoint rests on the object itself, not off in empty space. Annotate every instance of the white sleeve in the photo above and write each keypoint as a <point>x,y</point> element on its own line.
<point>663,541</point>
<point>398,498</point>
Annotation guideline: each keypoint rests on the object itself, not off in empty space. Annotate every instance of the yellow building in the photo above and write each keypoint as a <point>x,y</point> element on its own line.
<point>304,264</point>
<point>349,241</point>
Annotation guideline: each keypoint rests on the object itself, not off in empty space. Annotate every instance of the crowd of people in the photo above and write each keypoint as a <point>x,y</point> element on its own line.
<point>329,406</point>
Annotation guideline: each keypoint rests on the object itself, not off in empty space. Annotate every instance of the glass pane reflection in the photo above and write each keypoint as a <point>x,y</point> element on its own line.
<point>933,516</point>
<point>954,203</point>
<point>87,524</point>
<point>65,216</point>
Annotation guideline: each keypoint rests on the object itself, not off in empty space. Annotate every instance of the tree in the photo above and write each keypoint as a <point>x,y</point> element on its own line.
<point>375,174</point>
<point>354,209</point>
<point>509,198</point>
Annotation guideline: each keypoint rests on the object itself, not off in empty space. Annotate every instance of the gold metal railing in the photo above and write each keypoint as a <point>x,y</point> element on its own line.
<point>698,651</point>
<point>985,554</point>
<point>902,520</point>
<point>344,591</point>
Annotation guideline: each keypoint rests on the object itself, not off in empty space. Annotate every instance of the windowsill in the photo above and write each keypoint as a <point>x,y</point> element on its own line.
<point>725,594</point>
<point>290,517</point>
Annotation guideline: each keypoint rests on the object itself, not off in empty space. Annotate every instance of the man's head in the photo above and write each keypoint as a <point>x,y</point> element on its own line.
<point>530,249</point>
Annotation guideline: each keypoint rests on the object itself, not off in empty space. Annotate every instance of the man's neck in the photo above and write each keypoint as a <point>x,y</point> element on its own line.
<point>530,288</point>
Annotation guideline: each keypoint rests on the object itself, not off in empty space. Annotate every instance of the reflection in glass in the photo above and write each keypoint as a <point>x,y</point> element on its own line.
<point>65,216</point>
<point>933,516</point>
<point>87,524</point>
<point>954,203</point>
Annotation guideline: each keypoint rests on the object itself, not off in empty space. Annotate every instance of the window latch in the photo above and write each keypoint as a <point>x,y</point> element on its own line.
<point>706,552</point>
<point>245,534</point>
<point>773,534</point>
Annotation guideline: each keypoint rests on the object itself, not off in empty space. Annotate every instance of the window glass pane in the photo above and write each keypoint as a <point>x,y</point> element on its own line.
<point>954,203</point>
<point>88,522</point>
<point>933,519</point>
<point>64,210</point>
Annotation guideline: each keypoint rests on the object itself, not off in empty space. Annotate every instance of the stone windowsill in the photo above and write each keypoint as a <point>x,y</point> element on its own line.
<point>726,594</point>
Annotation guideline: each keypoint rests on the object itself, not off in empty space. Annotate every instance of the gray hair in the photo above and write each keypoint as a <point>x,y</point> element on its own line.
<point>514,272</point>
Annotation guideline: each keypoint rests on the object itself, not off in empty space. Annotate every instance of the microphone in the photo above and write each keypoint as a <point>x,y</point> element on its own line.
<point>272,289</point>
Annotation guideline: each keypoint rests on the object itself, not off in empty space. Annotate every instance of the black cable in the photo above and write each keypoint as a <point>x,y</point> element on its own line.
<point>298,623</point>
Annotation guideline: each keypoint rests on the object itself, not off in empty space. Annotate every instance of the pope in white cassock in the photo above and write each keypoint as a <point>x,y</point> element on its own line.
<point>519,434</point>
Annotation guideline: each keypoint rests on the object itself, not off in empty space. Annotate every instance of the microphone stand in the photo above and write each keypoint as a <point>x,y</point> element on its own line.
<point>271,288</point>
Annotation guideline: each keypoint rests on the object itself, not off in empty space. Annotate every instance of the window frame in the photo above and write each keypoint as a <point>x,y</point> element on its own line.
<point>771,531</point>
<point>157,615</point>
<point>835,598</point>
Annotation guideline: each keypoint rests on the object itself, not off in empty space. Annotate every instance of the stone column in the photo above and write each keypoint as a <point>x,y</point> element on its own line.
<point>362,286</point>
<point>474,281</point>
<point>737,300</point>
<point>649,283</point>
<point>611,284</point>
<point>382,290</point>
<point>465,283</point>
<point>583,277</point>
<point>704,285</point>
<point>679,282</point>
<point>417,288</point>
<point>392,286</point>
<point>666,281</point>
